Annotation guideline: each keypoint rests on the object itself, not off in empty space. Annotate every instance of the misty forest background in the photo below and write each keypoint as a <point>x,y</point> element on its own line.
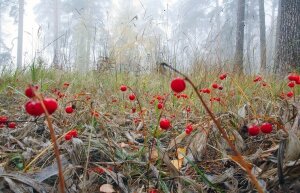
<point>247,35</point>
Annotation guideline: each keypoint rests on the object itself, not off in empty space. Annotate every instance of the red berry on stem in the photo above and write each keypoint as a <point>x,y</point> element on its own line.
<point>160,105</point>
<point>69,109</point>
<point>293,77</point>
<point>188,129</point>
<point>34,108</point>
<point>50,104</point>
<point>3,119</point>
<point>164,124</point>
<point>73,133</point>
<point>215,85</point>
<point>12,125</point>
<point>123,88</point>
<point>257,79</point>
<point>133,110</point>
<point>291,84</point>
<point>298,80</point>
<point>223,76</point>
<point>29,92</point>
<point>290,94</point>
<point>131,97</point>
<point>153,191</point>
<point>68,137</point>
<point>266,128</point>
<point>253,130</point>
<point>178,85</point>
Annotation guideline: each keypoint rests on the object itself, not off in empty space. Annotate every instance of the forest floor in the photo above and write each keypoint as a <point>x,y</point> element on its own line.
<point>118,145</point>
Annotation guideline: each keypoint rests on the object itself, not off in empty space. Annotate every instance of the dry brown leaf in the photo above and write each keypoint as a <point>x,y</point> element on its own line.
<point>177,163</point>
<point>153,155</point>
<point>108,188</point>
<point>123,145</point>
<point>181,152</point>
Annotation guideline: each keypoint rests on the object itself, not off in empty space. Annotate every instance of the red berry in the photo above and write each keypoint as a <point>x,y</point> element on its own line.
<point>3,119</point>
<point>68,137</point>
<point>264,84</point>
<point>69,109</point>
<point>291,84</point>
<point>98,170</point>
<point>153,190</point>
<point>160,105</point>
<point>293,77</point>
<point>29,92</point>
<point>253,130</point>
<point>133,110</point>
<point>220,87</point>
<point>12,125</point>
<point>164,124</point>
<point>131,97</point>
<point>123,88</point>
<point>257,79</point>
<point>290,94</point>
<point>206,90</point>
<point>223,76</point>
<point>34,108</point>
<point>188,109</point>
<point>218,99</point>
<point>298,80</point>
<point>51,105</point>
<point>266,128</point>
<point>178,85</point>
<point>73,133</point>
<point>215,85</point>
<point>66,84</point>
<point>188,129</point>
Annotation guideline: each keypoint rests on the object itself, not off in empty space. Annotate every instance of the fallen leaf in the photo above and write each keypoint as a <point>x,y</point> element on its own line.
<point>181,152</point>
<point>177,163</point>
<point>107,188</point>
<point>153,155</point>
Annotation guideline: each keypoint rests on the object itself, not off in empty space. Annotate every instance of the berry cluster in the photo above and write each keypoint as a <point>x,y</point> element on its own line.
<point>254,130</point>
<point>4,122</point>
<point>34,107</point>
<point>71,134</point>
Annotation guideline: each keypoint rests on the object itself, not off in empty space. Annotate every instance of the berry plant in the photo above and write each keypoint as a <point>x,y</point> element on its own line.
<point>181,133</point>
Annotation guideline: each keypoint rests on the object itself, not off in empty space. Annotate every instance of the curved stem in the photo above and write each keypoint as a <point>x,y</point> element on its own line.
<point>55,146</point>
<point>239,159</point>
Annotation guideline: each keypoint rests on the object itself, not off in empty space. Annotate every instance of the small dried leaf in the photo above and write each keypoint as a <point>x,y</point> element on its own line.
<point>123,145</point>
<point>177,163</point>
<point>107,188</point>
<point>154,155</point>
<point>181,152</point>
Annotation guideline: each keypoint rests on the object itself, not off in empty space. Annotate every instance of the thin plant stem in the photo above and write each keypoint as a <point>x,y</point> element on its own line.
<point>55,146</point>
<point>239,158</point>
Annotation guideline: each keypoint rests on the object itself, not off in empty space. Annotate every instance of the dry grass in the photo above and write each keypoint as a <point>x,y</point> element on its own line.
<point>116,148</point>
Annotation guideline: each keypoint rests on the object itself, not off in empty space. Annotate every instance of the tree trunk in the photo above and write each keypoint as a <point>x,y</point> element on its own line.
<point>56,21</point>
<point>0,27</point>
<point>20,34</point>
<point>262,31</point>
<point>239,48</point>
<point>272,34</point>
<point>288,37</point>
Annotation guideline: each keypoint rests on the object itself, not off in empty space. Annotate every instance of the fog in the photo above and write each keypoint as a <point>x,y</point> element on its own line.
<point>133,35</point>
